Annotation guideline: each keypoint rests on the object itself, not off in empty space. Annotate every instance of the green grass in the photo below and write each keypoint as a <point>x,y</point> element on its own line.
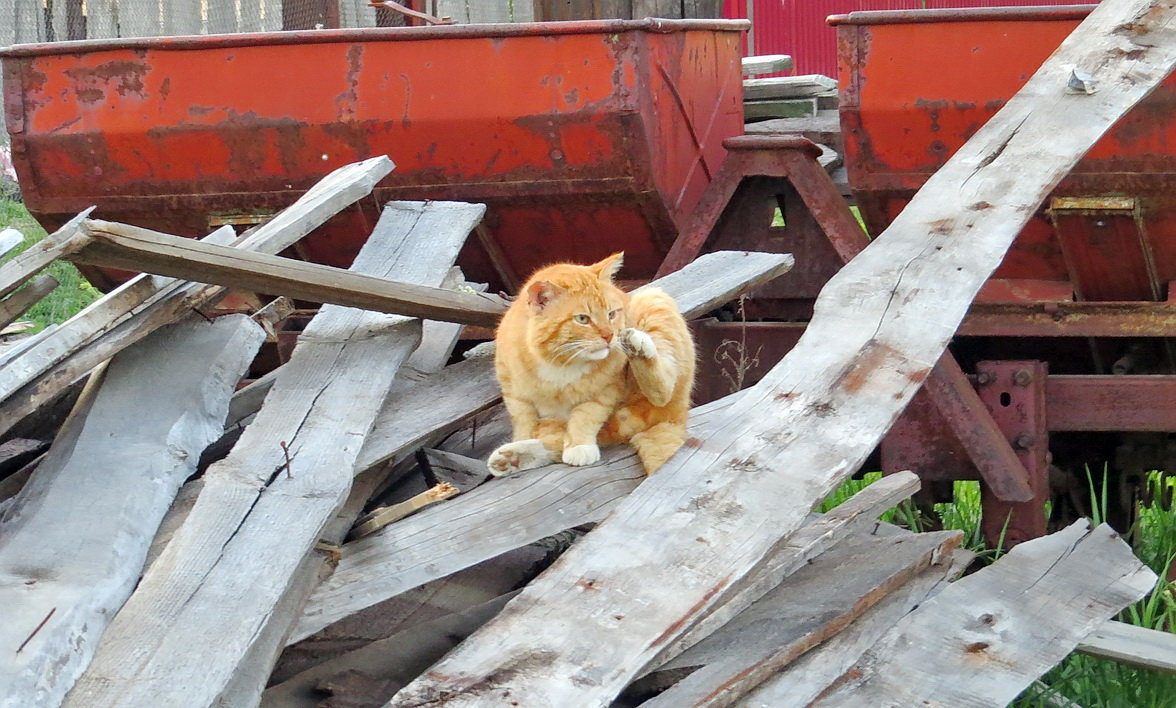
<point>73,292</point>
<point>1088,681</point>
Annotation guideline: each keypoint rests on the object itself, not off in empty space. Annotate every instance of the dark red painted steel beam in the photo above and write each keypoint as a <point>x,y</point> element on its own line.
<point>1014,393</point>
<point>1070,319</point>
<point>1111,403</point>
<point>964,412</point>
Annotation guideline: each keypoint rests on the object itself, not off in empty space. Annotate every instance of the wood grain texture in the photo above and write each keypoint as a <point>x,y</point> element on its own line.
<point>203,604</point>
<point>19,302</point>
<point>799,683</point>
<point>986,638</point>
<point>75,539</point>
<point>132,248</point>
<point>123,319</point>
<point>20,268</point>
<point>1136,646</point>
<point>815,603</point>
<point>579,633</point>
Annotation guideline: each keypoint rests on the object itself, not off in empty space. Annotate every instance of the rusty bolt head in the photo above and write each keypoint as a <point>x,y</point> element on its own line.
<point>983,378</point>
<point>1024,441</point>
<point>1023,377</point>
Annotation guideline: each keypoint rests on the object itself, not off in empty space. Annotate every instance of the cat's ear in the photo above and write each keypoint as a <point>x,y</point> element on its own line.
<point>609,267</point>
<point>541,293</point>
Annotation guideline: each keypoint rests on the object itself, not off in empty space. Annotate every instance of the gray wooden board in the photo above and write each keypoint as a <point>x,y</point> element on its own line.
<point>19,302</point>
<point>766,64</point>
<point>387,664</point>
<point>799,683</point>
<point>579,633</point>
<point>1137,646</point>
<point>20,268</point>
<point>9,239</point>
<point>253,673</point>
<point>810,606</point>
<point>202,605</point>
<point>855,515</point>
<point>105,334</point>
<point>74,542</point>
<point>438,403</point>
<point>787,87</point>
<point>986,638</point>
<point>454,593</point>
<point>131,248</point>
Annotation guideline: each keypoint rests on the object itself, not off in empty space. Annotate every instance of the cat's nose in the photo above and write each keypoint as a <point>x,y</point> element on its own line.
<point>608,337</point>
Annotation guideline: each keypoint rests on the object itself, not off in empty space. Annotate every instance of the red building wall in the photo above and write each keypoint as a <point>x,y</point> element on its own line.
<point>798,27</point>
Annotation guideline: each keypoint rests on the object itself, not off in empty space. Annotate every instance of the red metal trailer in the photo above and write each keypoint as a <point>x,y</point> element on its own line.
<point>582,137</point>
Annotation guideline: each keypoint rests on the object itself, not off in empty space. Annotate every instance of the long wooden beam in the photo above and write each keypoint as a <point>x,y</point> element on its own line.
<point>131,248</point>
<point>580,632</point>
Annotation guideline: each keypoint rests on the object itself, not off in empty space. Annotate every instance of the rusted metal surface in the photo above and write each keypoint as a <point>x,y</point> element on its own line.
<point>902,122</point>
<point>1070,319</point>
<point>1014,392</point>
<point>1111,403</point>
<point>583,137</point>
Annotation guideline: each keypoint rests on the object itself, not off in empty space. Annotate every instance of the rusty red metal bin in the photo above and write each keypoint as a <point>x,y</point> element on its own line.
<point>582,137</point>
<point>915,85</point>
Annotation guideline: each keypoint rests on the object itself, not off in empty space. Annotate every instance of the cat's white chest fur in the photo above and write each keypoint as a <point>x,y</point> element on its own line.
<point>561,375</point>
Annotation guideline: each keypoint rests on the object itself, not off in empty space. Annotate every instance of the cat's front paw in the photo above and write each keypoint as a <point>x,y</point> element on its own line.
<point>518,456</point>
<point>635,343</point>
<point>579,455</point>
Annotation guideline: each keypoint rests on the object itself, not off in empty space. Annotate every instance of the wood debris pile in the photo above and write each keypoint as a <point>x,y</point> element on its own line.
<point>183,544</point>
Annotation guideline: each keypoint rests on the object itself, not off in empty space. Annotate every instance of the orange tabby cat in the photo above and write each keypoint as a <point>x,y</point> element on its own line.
<point>584,364</point>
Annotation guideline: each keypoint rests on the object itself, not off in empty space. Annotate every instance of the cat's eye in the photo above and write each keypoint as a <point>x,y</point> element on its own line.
<point>582,319</point>
<point>612,315</point>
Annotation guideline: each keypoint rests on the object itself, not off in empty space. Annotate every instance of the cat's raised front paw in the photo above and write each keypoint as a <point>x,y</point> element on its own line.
<point>635,343</point>
<point>578,455</point>
<point>518,456</point>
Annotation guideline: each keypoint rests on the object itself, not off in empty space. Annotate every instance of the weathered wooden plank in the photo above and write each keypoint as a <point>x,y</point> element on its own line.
<point>804,679</point>
<point>879,326</point>
<point>716,278</point>
<point>334,192</point>
<point>787,87</point>
<point>19,302</point>
<point>73,544</point>
<point>202,606</point>
<point>453,593</point>
<point>985,638</point>
<point>9,239</point>
<point>854,516</point>
<point>815,603</point>
<point>98,317</point>
<point>18,270</point>
<point>131,248</point>
<point>1136,646</point>
<point>766,64</point>
<point>388,664</point>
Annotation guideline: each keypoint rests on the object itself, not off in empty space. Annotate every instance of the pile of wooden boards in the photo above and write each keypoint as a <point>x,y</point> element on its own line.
<point>178,535</point>
<point>138,572</point>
